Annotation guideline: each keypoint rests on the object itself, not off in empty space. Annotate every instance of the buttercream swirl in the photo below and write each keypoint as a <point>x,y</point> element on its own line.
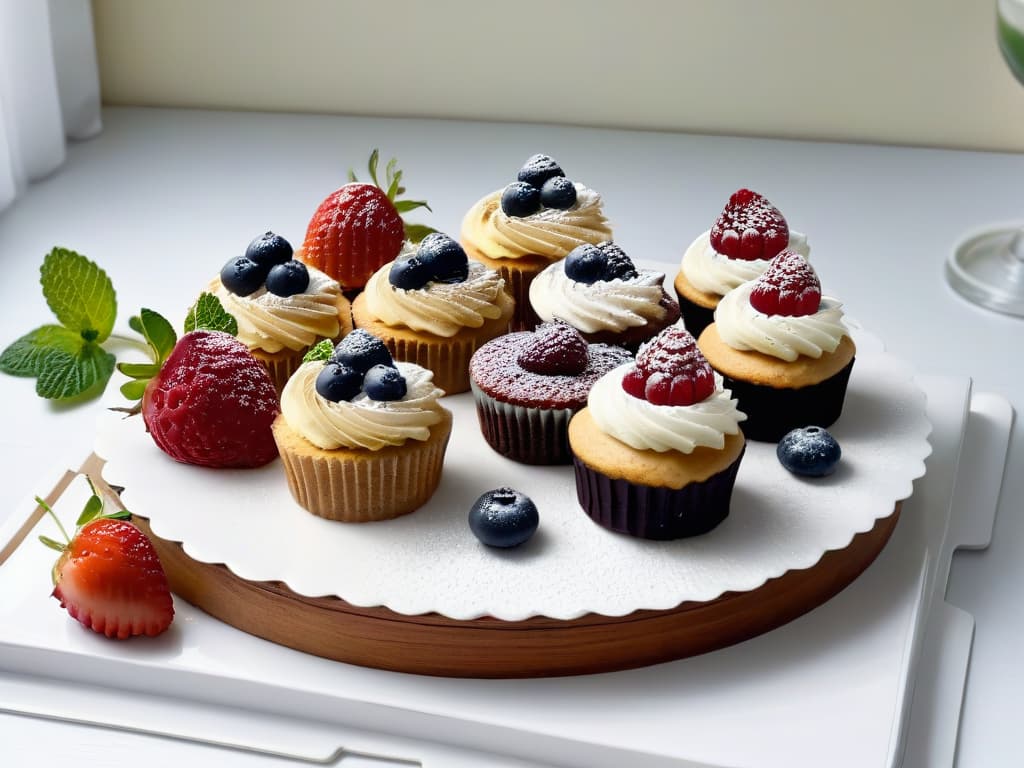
<point>550,233</point>
<point>782,336</point>
<point>605,305</point>
<point>709,271</point>
<point>272,323</point>
<point>442,309</point>
<point>361,422</point>
<point>648,427</point>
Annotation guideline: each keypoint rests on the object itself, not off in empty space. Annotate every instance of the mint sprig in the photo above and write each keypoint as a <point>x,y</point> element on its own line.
<point>392,187</point>
<point>208,313</point>
<point>322,350</point>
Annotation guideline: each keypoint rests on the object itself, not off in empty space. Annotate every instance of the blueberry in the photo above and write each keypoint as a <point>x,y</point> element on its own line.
<point>361,350</point>
<point>520,199</point>
<point>539,169</point>
<point>410,273</point>
<point>809,451</point>
<point>586,264</point>
<point>445,258</point>
<point>619,264</point>
<point>384,383</point>
<point>337,382</point>
<point>269,249</point>
<point>288,279</point>
<point>558,192</point>
<point>242,276</point>
<point>503,518</point>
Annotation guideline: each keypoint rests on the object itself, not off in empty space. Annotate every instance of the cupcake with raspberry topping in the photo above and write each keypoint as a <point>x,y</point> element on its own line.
<point>748,233</point>
<point>528,385</point>
<point>434,307</point>
<point>783,349</point>
<point>531,223</point>
<point>599,291</point>
<point>657,449</point>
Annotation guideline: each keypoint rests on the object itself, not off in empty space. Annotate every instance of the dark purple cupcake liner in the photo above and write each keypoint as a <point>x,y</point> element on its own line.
<point>695,317</point>
<point>526,435</point>
<point>772,412</point>
<point>651,512</point>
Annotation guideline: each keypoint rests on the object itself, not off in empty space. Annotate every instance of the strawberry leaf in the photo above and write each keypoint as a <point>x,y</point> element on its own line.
<point>27,356</point>
<point>209,314</point>
<point>372,165</point>
<point>404,206</point>
<point>79,293</point>
<point>51,543</point>
<point>416,232</point>
<point>322,350</point>
<point>92,509</point>
<point>65,375</point>
<point>134,390</point>
<point>157,331</point>
<point>139,370</point>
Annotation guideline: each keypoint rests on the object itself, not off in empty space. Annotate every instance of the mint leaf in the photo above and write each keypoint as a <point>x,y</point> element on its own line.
<point>209,314</point>
<point>157,332</point>
<point>79,293</point>
<point>322,350</point>
<point>65,375</point>
<point>416,232</point>
<point>27,355</point>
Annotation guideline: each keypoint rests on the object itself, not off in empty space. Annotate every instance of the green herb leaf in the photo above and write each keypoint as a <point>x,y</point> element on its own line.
<point>51,543</point>
<point>92,509</point>
<point>139,370</point>
<point>134,390</point>
<point>65,375</point>
<point>121,514</point>
<point>79,293</point>
<point>372,165</point>
<point>404,206</point>
<point>157,332</point>
<point>322,350</point>
<point>416,232</point>
<point>352,176</point>
<point>27,355</point>
<point>209,314</point>
<point>394,186</point>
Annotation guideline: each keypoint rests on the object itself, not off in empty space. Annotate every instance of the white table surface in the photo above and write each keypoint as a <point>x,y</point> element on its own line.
<point>163,197</point>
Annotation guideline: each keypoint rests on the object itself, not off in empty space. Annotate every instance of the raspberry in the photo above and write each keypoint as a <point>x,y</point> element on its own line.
<point>789,287</point>
<point>556,349</point>
<point>670,370</point>
<point>212,404</point>
<point>749,228</point>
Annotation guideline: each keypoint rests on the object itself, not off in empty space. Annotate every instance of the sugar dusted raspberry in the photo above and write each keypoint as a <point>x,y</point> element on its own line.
<point>670,370</point>
<point>749,228</point>
<point>789,287</point>
<point>556,349</point>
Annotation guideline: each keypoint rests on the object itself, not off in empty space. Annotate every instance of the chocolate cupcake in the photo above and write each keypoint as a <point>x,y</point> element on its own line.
<point>528,385</point>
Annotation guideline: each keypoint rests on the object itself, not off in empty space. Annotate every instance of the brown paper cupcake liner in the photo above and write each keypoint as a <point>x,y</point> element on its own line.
<point>447,358</point>
<point>523,434</point>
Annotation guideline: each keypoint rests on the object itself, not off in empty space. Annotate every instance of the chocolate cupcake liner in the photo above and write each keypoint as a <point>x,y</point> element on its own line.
<point>651,512</point>
<point>523,434</point>
<point>517,282</point>
<point>772,412</point>
<point>695,317</point>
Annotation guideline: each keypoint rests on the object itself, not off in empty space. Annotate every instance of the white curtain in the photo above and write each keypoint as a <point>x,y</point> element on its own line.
<point>49,87</point>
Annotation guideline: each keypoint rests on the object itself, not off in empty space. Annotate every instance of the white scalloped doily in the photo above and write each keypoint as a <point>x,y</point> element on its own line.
<point>429,561</point>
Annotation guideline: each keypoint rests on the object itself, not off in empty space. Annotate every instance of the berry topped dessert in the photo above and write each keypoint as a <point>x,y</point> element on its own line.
<point>748,233</point>
<point>362,437</point>
<point>532,222</point>
<point>434,307</point>
<point>657,449</point>
<point>783,349</point>
<point>599,291</point>
<point>527,386</point>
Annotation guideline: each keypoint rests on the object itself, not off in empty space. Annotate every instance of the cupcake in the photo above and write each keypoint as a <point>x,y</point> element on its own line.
<point>435,308</point>
<point>361,437</point>
<point>598,291</point>
<point>528,385</point>
<point>282,306</point>
<point>537,220</point>
<point>748,233</point>
<point>782,348</point>
<point>657,448</point>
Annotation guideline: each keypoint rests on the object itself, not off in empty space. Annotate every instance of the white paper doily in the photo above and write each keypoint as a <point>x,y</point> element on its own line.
<point>430,561</point>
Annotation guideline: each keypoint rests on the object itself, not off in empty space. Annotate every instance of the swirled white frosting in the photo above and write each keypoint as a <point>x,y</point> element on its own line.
<point>273,323</point>
<point>786,337</point>
<point>713,272</point>
<point>361,422</point>
<point>442,309</point>
<point>648,427</point>
<point>605,305</point>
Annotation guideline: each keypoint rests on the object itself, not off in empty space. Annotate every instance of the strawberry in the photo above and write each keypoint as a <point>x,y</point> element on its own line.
<point>670,370</point>
<point>749,228</point>
<point>555,349</point>
<point>109,576</point>
<point>359,228</point>
<point>789,286</point>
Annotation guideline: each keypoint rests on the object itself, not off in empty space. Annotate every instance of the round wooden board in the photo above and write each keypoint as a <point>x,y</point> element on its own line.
<point>432,644</point>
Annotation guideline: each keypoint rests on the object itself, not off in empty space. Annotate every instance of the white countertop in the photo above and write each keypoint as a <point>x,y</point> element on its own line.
<point>163,197</point>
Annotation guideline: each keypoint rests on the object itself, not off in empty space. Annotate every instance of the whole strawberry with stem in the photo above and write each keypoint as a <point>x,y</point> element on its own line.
<point>108,576</point>
<point>358,228</point>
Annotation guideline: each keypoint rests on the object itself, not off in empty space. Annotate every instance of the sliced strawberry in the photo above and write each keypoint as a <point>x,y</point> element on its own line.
<point>555,349</point>
<point>670,370</point>
<point>789,286</point>
<point>749,228</point>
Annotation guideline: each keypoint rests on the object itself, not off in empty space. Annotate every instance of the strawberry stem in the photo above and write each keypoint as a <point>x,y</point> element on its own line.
<point>53,514</point>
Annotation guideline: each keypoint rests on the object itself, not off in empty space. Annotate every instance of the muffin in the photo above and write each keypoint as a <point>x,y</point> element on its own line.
<point>749,232</point>
<point>537,220</point>
<point>782,348</point>
<point>434,307</point>
<point>361,437</point>
<point>598,291</point>
<point>657,449</point>
<point>528,385</point>
<point>282,306</point>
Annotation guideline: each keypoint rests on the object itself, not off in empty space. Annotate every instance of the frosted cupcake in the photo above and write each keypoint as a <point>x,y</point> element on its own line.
<point>434,307</point>
<point>598,291</point>
<point>748,233</point>
<point>537,220</point>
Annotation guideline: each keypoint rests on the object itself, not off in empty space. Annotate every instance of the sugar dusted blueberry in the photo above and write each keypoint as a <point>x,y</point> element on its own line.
<point>809,451</point>
<point>269,249</point>
<point>586,264</point>
<point>242,276</point>
<point>539,169</point>
<point>558,192</point>
<point>409,274</point>
<point>520,199</point>
<point>361,350</point>
<point>337,382</point>
<point>288,279</point>
<point>384,384</point>
<point>504,518</point>
<point>444,257</point>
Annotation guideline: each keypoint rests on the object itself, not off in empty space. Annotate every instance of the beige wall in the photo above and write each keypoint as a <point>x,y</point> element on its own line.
<point>860,70</point>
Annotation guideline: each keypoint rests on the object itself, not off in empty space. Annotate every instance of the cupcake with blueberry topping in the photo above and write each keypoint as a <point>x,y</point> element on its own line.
<point>532,222</point>
<point>434,307</point>
<point>599,291</point>
<point>361,437</point>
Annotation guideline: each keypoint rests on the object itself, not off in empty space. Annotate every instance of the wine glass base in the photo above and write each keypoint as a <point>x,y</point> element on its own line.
<point>984,269</point>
